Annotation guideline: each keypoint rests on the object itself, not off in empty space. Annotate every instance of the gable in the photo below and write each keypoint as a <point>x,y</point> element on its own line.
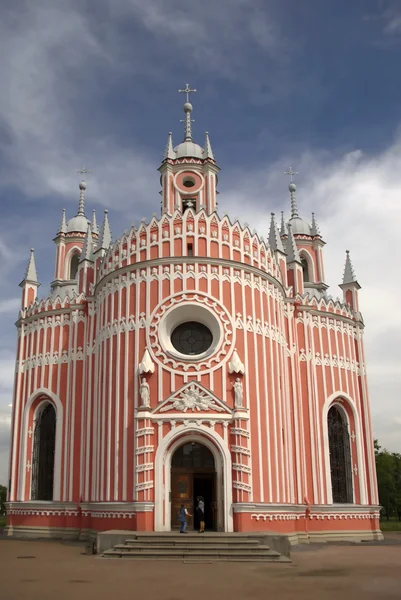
<point>193,398</point>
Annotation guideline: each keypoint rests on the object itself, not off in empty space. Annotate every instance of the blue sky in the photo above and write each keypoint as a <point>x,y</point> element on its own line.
<point>310,84</point>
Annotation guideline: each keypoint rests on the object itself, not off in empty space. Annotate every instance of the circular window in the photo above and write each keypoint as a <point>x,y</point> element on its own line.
<point>188,183</point>
<point>191,338</point>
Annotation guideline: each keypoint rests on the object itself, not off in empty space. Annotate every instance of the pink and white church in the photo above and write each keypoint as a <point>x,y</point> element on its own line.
<point>190,357</point>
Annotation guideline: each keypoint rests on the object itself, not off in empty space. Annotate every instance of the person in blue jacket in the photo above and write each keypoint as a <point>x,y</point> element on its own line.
<point>182,518</point>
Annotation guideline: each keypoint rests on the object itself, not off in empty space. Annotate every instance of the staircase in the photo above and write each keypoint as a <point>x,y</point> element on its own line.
<point>195,547</point>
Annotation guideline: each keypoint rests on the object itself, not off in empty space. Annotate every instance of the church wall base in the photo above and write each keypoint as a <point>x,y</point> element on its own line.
<point>297,523</point>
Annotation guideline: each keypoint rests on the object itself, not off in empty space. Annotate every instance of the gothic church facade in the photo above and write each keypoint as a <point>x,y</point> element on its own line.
<point>191,357</point>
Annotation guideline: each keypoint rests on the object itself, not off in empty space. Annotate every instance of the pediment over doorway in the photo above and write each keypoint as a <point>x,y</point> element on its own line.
<point>193,398</point>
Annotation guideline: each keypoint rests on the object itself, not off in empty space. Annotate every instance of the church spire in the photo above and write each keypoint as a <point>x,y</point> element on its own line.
<point>274,237</point>
<point>292,188</point>
<point>188,110</point>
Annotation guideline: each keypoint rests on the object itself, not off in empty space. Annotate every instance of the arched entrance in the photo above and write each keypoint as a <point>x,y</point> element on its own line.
<point>193,474</point>
<point>168,444</point>
<point>44,443</point>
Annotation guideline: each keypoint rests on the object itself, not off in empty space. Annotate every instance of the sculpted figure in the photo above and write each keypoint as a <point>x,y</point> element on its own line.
<point>144,392</point>
<point>238,393</point>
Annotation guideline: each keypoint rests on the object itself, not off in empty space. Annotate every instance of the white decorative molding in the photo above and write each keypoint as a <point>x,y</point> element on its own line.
<point>235,365</point>
<point>146,365</point>
<point>193,397</point>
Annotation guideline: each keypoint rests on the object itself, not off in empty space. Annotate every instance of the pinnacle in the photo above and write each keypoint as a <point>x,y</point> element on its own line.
<point>30,273</point>
<point>169,150</point>
<point>292,250</point>
<point>87,250</point>
<point>274,236</point>
<point>208,152</point>
<point>105,234</point>
<point>349,275</point>
<point>315,231</point>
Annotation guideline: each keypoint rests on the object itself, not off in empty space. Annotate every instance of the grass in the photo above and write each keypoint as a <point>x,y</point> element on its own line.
<point>391,525</point>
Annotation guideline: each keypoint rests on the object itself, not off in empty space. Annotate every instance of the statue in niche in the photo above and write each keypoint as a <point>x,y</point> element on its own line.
<point>144,392</point>
<point>238,393</point>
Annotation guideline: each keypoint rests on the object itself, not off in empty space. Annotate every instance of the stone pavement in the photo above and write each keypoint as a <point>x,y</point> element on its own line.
<point>44,570</point>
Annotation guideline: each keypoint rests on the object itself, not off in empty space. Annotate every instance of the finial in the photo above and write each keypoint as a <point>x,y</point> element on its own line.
<point>30,273</point>
<point>187,109</point>
<point>274,237</point>
<point>63,223</point>
<point>169,150</point>
<point>349,275</point>
<point>105,234</point>
<point>282,226</point>
<point>95,228</point>
<point>82,188</point>
<point>208,152</point>
<point>292,188</point>
<point>292,250</point>
<point>87,250</point>
<point>315,231</point>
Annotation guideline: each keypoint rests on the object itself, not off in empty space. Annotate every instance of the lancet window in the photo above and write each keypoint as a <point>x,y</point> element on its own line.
<point>44,444</point>
<point>340,457</point>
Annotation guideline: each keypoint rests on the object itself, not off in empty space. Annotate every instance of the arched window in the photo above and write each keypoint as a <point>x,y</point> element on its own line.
<point>74,266</point>
<point>340,457</point>
<point>193,456</point>
<point>305,269</point>
<point>44,443</point>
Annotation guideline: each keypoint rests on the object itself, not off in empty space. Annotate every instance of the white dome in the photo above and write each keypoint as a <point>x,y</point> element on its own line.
<point>78,223</point>
<point>300,226</point>
<point>188,149</point>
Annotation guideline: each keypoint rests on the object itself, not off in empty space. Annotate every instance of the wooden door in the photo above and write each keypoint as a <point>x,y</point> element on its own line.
<point>181,493</point>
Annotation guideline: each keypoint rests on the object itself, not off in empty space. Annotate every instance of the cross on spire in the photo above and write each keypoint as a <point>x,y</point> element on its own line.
<point>290,172</point>
<point>187,90</point>
<point>84,170</point>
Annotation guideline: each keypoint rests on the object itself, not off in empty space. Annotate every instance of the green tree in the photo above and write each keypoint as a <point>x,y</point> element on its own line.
<point>388,468</point>
<point>3,498</point>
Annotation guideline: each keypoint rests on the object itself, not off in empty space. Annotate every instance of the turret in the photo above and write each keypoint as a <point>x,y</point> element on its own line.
<point>350,285</point>
<point>309,244</point>
<point>70,240</point>
<point>188,173</point>
<point>30,283</point>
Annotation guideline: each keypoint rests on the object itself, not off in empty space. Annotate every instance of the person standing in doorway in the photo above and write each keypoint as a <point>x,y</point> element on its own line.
<point>200,509</point>
<point>182,518</point>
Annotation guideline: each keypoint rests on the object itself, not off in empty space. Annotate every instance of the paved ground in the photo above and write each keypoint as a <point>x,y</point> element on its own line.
<point>44,570</point>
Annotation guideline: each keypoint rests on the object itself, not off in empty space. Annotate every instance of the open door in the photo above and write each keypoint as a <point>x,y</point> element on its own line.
<point>181,493</point>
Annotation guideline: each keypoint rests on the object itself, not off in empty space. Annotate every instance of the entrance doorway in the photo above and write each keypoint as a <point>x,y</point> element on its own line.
<point>193,474</point>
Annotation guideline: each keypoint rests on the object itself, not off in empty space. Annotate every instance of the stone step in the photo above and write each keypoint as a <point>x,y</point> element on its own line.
<point>192,548</point>
<point>201,561</point>
<point>194,554</point>
<point>184,541</point>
